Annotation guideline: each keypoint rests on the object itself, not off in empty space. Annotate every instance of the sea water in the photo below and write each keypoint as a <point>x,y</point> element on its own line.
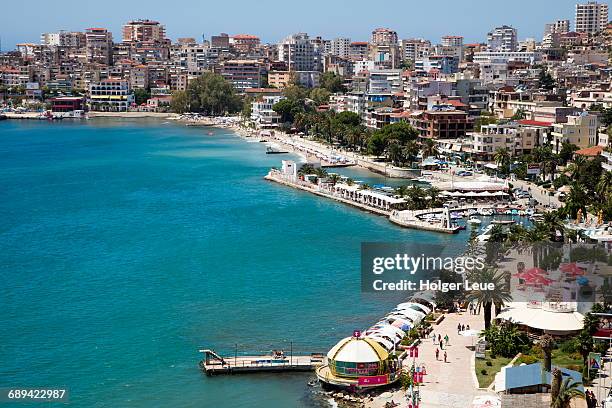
<point>127,245</point>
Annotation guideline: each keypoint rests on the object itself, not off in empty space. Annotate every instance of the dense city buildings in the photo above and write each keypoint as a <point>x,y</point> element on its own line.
<point>439,87</point>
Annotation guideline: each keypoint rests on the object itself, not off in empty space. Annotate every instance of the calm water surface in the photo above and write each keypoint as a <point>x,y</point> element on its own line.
<point>125,246</point>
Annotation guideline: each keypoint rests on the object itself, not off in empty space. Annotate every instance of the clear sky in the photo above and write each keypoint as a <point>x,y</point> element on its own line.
<point>271,20</point>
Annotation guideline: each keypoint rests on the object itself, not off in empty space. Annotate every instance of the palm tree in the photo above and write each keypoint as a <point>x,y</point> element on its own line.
<point>429,148</point>
<point>333,179</point>
<point>568,390</point>
<point>604,186</point>
<point>502,157</point>
<point>401,191</point>
<point>575,200</point>
<point>555,385</point>
<point>547,343</point>
<point>488,298</point>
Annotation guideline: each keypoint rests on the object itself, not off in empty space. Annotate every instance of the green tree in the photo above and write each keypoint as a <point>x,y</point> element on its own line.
<point>489,298</point>
<point>547,343</point>
<point>568,390</point>
<point>141,95</point>
<point>331,82</point>
<point>502,157</point>
<point>320,96</point>
<point>209,94</point>
<point>567,151</point>
<point>180,102</point>
<point>545,80</point>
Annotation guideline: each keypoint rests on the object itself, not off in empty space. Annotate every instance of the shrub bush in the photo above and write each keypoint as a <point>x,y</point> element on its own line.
<point>483,372</point>
<point>489,364</point>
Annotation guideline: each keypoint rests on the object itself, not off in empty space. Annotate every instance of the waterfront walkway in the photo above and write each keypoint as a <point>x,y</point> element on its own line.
<point>447,385</point>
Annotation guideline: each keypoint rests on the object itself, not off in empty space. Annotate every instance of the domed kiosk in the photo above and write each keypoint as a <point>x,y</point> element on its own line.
<point>358,362</point>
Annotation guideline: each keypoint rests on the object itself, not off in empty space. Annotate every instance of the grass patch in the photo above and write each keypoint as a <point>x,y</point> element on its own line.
<point>487,368</point>
<point>561,358</point>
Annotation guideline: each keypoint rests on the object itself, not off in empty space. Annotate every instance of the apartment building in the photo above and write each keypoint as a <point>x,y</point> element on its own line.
<point>262,113</point>
<point>243,74</point>
<point>341,47</point>
<point>358,50</point>
<point>143,31</point>
<point>62,38</point>
<point>384,36</point>
<point>356,103</point>
<point>244,43</point>
<point>99,45</point>
<point>591,17</point>
<point>442,124</point>
<point>580,130</point>
<point>298,52</point>
<point>112,95</point>
<point>415,48</point>
<point>502,39</point>
<point>518,140</point>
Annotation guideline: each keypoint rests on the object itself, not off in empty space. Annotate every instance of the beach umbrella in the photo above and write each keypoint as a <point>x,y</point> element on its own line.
<point>571,268</point>
<point>536,270</point>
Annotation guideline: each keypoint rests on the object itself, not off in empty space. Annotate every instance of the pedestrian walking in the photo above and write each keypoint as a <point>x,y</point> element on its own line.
<point>441,345</point>
<point>445,355</point>
<point>463,327</point>
<point>459,328</point>
<point>433,338</point>
<point>446,339</point>
<point>439,337</point>
<point>467,327</point>
<point>437,353</point>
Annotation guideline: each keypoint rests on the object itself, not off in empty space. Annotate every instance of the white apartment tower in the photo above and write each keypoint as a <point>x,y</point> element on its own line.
<point>340,47</point>
<point>591,17</point>
<point>298,52</point>
<point>502,39</point>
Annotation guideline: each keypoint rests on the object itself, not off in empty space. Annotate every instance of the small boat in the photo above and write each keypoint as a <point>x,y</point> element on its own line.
<point>271,150</point>
<point>474,220</point>
<point>502,222</point>
<point>486,212</point>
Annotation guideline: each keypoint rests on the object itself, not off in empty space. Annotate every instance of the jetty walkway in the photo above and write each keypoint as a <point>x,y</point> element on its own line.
<point>214,364</point>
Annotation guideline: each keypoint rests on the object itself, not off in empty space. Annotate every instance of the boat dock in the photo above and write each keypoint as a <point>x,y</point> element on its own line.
<point>214,364</point>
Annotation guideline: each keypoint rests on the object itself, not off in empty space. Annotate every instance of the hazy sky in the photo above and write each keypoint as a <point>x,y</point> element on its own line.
<point>25,20</point>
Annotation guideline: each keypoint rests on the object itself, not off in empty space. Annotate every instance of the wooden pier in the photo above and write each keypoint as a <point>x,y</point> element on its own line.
<point>213,364</point>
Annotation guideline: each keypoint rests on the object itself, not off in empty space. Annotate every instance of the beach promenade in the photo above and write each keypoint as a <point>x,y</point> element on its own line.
<point>446,385</point>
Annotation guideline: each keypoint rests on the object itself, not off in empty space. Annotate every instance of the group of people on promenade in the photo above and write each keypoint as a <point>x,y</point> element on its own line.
<point>442,342</point>
<point>462,327</point>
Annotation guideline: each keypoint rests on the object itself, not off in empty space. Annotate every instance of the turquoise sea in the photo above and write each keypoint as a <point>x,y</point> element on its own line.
<point>125,246</point>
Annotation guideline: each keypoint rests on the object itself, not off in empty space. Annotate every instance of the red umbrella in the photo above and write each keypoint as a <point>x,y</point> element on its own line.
<point>571,268</point>
<point>524,275</point>
<point>540,280</point>
<point>536,271</point>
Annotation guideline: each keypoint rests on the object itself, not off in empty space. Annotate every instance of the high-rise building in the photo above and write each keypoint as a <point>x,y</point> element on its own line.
<point>415,48</point>
<point>220,41</point>
<point>558,27</point>
<point>298,52</point>
<point>384,36</point>
<point>63,39</point>
<point>452,41</point>
<point>244,43</point>
<point>591,17</point>
<point>99,45</point>
<point>502,39</point>
<point>143,31</point>
<point>340,47</point>
<point>358,50</point>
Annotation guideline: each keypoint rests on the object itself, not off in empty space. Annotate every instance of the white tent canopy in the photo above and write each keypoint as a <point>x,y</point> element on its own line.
<point>549,321</point>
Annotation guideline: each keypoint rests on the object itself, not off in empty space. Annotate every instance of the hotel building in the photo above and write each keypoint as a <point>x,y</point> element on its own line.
<point>112,95</point>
